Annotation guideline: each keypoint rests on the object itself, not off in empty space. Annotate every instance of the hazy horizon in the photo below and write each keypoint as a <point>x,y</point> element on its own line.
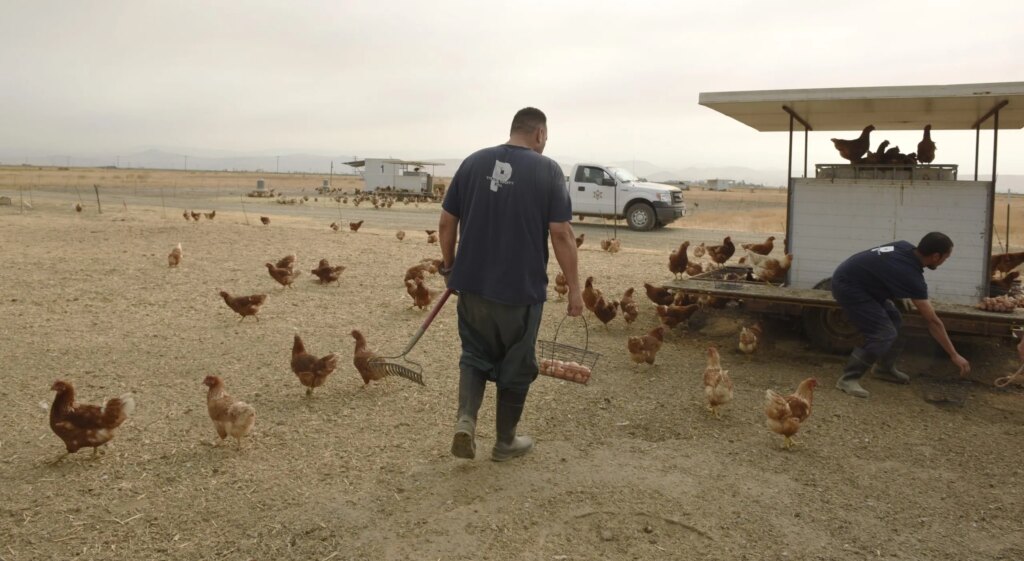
<point>409,80</point>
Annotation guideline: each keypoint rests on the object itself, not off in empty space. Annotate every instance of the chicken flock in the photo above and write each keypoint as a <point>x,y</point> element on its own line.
<point>858,150</point>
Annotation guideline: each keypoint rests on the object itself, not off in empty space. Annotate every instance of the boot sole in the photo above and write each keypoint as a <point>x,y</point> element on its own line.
<point>463,446</point>
<point>891,379</point>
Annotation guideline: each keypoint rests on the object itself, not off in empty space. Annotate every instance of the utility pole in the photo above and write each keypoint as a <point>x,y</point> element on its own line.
<point>330,178</point>
<point>186,162</point>
<point>278,168</point>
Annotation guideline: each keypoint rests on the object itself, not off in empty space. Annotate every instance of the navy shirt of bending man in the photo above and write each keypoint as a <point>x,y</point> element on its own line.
<point>867,283</point>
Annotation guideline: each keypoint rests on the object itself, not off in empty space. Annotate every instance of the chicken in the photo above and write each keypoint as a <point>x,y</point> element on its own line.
<point>230,416</point>
<point>678,260</point>
<point>926,148</point>
<point>185,215</point>
<point>361,359</point>
<point>699,251</point>
<point>579,240</point>
<point>1005,283</point>
<point>430,232</point>
<point>681,298</point>
<point>750,338</point>
<point>326,273</point>
<point>335,226</point>
<point>418,271</point>
<point>646,347</point>
<point>400,235</point>
<point>285,277</point>
<point>432,238</point>
<point>265,220</point>
<point>421,295</point>
<point>561,285</point>
<point>769,269</point>
<point>629,307</point>
<point>694,269</point>
<point>761,248</point>
<point>721,253</point>
<point>854,150</point>
<point>196,216</point>
<point>311,371</point>
<point>672,316</point>
<point>717,383</point>
<point>787,413</point>
<point>1005,262</point>
<point>210,215</point>
<point>354,226</point>
<point>658,295</point>
<point>82,426</point>
<point>590,294</point>
<point>877,156</point>
<point>174,259</point>
<point>605,311</point>
<point>286,262</point>
<point>611,245</point>
<point>244,305</point>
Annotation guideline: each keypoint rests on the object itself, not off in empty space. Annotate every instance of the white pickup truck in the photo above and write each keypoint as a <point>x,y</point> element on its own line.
<point>595,189</point>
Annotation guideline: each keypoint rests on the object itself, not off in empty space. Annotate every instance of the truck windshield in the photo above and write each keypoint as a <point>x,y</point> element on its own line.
<point>623,175</point>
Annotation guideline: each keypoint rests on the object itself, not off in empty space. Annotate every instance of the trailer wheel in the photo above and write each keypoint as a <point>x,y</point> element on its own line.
<point>828,329</point>
<point>640,217</point>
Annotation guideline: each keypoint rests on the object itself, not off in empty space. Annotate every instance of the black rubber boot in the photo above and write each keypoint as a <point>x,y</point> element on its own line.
<point>510,408</point>
<point>886,367</point>
<point>472,386</point>
<point>859,363</point>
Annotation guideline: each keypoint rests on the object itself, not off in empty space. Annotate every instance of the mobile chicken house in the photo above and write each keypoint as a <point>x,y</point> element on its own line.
<point>389,173</point>
<point>847,208</point>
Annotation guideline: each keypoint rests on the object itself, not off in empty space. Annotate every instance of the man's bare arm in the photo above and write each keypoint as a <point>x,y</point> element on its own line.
<point>448,232</point>
<point>938,332</point>
<point>563,241</point>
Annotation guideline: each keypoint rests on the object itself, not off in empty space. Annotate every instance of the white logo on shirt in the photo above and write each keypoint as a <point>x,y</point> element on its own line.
<point>501,175</point>
<point>884,249</point>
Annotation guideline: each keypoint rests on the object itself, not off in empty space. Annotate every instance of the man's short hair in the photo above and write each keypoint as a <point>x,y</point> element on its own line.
<point>935,242</point>
<point>528,119</point>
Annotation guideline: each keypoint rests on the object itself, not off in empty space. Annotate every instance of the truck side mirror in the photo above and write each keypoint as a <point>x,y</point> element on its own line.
<point>608,182</point>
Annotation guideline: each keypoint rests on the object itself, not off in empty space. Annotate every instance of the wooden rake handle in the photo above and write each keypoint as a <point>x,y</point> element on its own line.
<point>428,321</point>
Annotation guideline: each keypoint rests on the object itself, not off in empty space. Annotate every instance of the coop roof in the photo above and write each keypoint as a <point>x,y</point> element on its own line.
<point>945,107</point>
<point>361,163</point>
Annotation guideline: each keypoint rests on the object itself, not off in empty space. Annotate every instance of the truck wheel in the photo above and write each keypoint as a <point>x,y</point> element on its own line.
<point>828,329</point>
<point>640,217</point>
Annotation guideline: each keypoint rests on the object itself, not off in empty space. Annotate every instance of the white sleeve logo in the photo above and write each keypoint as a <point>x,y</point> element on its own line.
<point>501,175</point>
<point>884,249</point>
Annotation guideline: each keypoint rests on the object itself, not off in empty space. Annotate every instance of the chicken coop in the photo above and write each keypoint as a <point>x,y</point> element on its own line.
<point>848,207</point>
<point>399,175</point>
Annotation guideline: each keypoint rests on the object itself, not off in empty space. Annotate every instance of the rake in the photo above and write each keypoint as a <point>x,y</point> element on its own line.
<point>410,370</point>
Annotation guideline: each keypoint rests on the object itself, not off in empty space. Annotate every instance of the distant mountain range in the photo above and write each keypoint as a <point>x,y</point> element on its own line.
<point>311,163</point>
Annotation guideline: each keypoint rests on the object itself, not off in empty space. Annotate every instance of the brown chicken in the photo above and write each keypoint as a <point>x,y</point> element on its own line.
<point>311,371</point>
<point>335,226</point>
<point>285,277</point>
<point>244,305</point>
<point>432,238</point>
<point>230,416</point>
<point>1004,263</point>
<point>787,413</point>
<point>700,251</point>
<point>721,253</point>
<point>854,150</point>
<point>579,240</point>
<point>326,273</point>
<point>185,215</point>
<point>750,338</point>
<point>672,316</point>
<point>354,226</point>
<point>878,156</point>
<point>1005,283</point>
<point>629,307</point>
<point>265,220</point>
<point>769,269</point>
<point>717,383</point>
<point>174,259</point>
<point>86,426</point>
<point>611,245</point>
<point>430,232</point>
<point>196,216</point>
<point>286,262</point>
<point>561,285</point>
<point>361,359</point>
<point>926,148</point>
<point>684,299</point>
<point>761,248</point>
<point>658,295</point>
<point>590,294</point>
<point>421,295</point>
<point>646,347</point>
<point>400,235</point>
<point>210,215</point>
<point>693,269</point>
<point>678,260</point>
<point>605,311</point>
<point>418,271</point>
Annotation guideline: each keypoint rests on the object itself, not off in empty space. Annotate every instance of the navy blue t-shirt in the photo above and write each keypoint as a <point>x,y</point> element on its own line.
<point>504,198</point>
<point>887,272</point>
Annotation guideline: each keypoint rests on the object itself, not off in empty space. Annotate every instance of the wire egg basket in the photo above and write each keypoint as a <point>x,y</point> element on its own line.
<point>567,362</point>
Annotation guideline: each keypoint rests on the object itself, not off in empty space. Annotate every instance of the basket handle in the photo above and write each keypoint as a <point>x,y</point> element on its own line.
<point>586,331</point>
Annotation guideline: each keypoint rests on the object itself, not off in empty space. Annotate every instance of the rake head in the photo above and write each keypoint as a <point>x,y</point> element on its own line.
<point>389,367</point>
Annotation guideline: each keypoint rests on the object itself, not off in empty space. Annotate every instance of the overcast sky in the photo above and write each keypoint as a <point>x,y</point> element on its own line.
<point>618,80</point>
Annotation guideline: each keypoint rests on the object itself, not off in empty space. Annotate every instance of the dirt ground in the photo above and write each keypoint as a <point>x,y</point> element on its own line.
<point>629,467</point>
